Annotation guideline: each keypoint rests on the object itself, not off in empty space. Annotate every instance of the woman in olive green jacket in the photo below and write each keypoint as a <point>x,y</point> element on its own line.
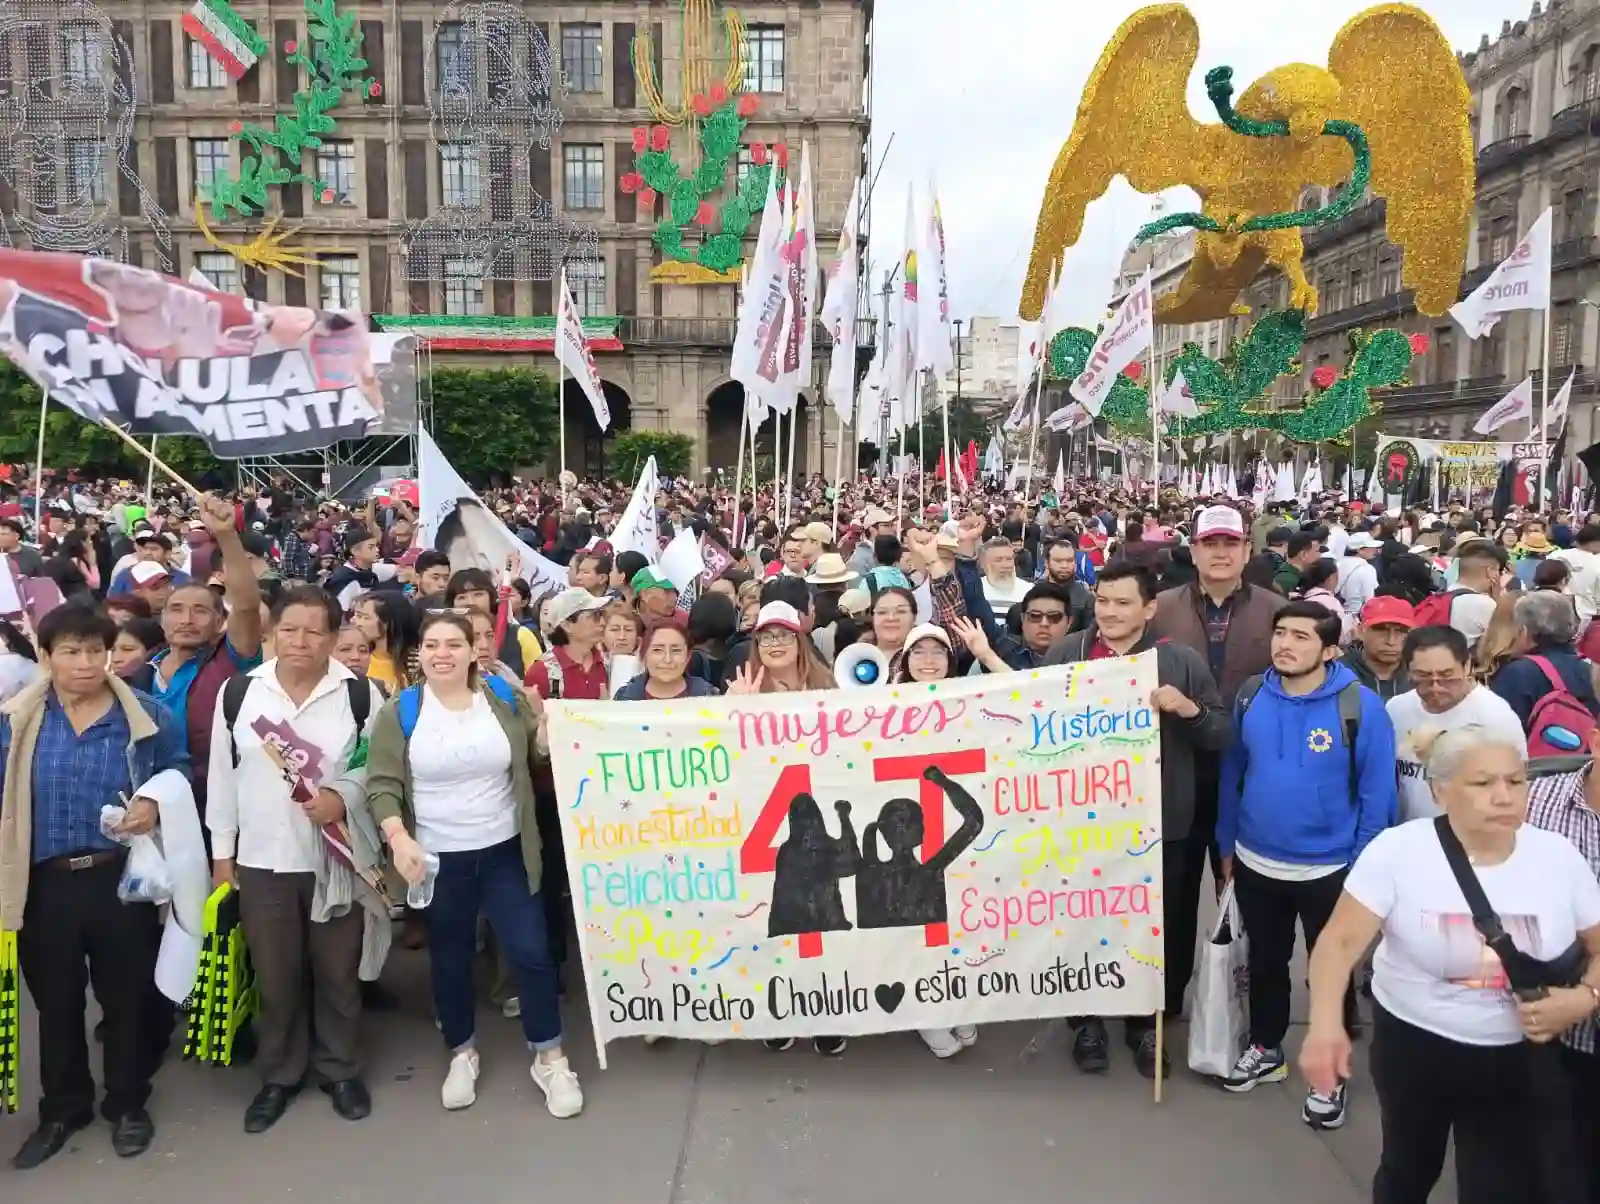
<point>449,777</point>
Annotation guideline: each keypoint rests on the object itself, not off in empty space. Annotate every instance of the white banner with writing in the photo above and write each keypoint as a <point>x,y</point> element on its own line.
<point>863,861</point>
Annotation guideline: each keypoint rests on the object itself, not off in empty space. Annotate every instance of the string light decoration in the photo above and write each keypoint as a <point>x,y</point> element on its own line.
<point>66,128</point>
<point>1392,86</point>
<point>700,60</point>
<point>1227,390</point>
<point>226,36</point>
<point>492,96</point>
<point>265,250</point>
<point>333,66</point>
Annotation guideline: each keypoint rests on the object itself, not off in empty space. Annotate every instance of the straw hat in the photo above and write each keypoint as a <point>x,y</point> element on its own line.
<point>831,569</point>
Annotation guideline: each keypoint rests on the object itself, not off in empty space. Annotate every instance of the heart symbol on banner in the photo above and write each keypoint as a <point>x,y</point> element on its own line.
<point>889,995</point>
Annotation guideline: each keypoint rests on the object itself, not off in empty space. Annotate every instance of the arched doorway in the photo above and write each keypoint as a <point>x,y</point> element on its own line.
<point>587,445</point>
<point>724,422</point>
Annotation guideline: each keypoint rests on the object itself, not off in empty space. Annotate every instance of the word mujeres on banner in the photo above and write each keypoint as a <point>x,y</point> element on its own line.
<point>155,355</point>
<point>899,857</point>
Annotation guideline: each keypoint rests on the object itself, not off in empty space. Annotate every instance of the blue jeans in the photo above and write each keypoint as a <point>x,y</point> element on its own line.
<point>492,881</point>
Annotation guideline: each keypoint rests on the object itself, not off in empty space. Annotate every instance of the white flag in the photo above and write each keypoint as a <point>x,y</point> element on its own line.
<point>1128,336</point>
<point>1375,494</point>
<point>994,459</point>
<point>839,315</point>
<point>937,355</point>
<point>636,530</point>
<point>1263,485</point>
<point>1556,414</point>
<point>799,255</point>
<point>903,366</point>
<point>1514,406</point>
<point>1061,473</point>
<point>1178,399</point>
<point>1349,480</point>
<point>471,534</point>
<point>572,349</point>
<point>1312,484</point>
<point>1283,483</point>
<point>760,307</point>
<point>1019,412</point>
<point>1521,281</point>
<point>1070,418</point>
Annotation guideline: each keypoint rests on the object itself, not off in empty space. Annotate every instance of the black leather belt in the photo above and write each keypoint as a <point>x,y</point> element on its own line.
<point>82,861</point>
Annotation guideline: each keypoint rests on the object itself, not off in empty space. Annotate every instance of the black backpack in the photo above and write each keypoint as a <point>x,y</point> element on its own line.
<point>237,687</point>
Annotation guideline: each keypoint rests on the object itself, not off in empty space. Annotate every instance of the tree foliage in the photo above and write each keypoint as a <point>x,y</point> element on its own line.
<point>674,453</point>
<point>966,425</point>
<point>71,443</point>
<point>490,421</point>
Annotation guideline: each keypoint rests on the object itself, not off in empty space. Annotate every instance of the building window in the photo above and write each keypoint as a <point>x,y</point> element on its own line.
<point>82,56</point>
<point>1491,355</point>
<point>86,172</point>
<point>1388,278</point>
<point>453,54</point>
<point>581,59</point>
<point>204,69</point>
<point>336,170</point>
<point>743,164</point>
<point>1511,114</point>
<point>1501,238</point>
<point>208,162</point>
<point>587,280</point>
<point>1574,215</point>
<point>458,175</point>
<point>339,278</point>
<point>221,270</point>
<point>1358,287</point>
<point>463,287</point>
<point>585,176</point>
<point>1586,85</point>
<point>763,65</point>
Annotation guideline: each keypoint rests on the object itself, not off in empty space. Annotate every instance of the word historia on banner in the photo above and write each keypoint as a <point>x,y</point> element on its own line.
<point>899,857</point>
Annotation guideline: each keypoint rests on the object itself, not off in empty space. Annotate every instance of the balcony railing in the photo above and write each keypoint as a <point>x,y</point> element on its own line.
<point>1496,154</point>
<point>1570,252</point>
<point>718,333</point>
<point>1364,216</point>
<point>1390,305</point>
<point>1574,121</point>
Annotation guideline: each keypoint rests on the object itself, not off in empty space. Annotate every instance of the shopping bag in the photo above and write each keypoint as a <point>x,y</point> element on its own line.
<point>1219,1020</point>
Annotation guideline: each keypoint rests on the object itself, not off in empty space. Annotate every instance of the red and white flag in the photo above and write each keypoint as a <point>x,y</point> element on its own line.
<point>1516,405</point>
<point>1125,338</point>
<point>572,349</point>
<point>1521,281</point>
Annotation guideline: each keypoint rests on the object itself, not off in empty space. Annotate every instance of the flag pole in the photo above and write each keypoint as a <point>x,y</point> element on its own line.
<point>150,473</point>
<point>38,463</point>
<point>922,448</point>
<point>838,470</point>
<point>777,468</point>
<point>1155,426</point>
<point>1544,406</point>
<point>561,417</point>
<point>1033,439</point>
<point>738,472</point>
<point>155,461</point>
<point>949,466</point>
<point>794,438</point>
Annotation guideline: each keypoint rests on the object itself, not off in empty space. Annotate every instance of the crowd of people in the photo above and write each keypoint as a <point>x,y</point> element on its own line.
<point>1351,705</point>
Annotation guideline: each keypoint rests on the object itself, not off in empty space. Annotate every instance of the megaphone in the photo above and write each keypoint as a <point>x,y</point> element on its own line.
<point>861,665</point>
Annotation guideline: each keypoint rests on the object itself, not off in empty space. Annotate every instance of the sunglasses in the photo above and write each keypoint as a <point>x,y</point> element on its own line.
<point>1045,616</point>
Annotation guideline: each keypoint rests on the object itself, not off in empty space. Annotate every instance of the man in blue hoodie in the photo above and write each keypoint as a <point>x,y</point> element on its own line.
<point>1309,782</point>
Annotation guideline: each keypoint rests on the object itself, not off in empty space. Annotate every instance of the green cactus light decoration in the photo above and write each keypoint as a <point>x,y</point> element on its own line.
<point>1338,400</point>
<point>334,68</point>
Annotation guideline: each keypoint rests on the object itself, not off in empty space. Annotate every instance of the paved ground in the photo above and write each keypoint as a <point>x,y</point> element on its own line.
<point>684,1124</point>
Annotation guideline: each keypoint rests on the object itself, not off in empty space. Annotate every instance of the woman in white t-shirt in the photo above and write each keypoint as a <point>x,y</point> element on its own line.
<point>449,772</point>
<point>1451,1050</point>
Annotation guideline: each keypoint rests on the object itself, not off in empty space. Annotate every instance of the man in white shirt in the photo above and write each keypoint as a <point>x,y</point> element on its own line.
<point>280,791</point>
<point>1358,579</point>
<point>1438,660</point>
<point>1585,562</point>
<point>1479,565</point>
<point>1338,538</point>
<point>1002,588</point>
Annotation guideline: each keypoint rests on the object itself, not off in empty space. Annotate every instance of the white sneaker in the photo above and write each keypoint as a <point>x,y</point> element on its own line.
<point>942,1041</point>
<point>511,1008</point>
<point>967,1034</point>
<point>460,1085</point>
<point>562,1095</point>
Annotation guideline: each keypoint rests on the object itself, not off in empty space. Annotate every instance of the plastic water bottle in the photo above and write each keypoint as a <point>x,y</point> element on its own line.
<point>420,894</point>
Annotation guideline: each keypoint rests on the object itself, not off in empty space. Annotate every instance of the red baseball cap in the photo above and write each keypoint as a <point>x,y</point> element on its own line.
<point>1397,611</point>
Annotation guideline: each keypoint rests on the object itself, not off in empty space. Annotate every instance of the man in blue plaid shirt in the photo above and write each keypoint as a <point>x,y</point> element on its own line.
<point>82,740</point>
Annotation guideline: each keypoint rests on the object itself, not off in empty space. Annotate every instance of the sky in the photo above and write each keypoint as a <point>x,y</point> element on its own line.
<point>981,96</point>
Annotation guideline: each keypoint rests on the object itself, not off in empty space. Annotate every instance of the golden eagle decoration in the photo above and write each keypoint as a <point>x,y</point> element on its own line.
<point>1390,110</point>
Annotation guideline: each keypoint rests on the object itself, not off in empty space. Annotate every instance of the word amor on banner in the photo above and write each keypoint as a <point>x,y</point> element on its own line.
<point>898,857</point>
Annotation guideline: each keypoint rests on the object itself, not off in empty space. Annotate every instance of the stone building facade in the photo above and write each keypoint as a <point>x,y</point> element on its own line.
<point>391,168</point>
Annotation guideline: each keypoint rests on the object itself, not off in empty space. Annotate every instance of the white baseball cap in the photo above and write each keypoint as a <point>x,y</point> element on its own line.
<point>778,614</point>
<point>1219,520</point>
<point>1361,541</point>
<point>570,603</point>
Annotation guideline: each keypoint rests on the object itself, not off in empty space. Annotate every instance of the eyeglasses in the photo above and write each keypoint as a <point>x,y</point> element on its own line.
<point>774,638</point>
<point>448,610</point>
<point>1045,616</point>
<point>1438,679</point>
<point>899,612</point>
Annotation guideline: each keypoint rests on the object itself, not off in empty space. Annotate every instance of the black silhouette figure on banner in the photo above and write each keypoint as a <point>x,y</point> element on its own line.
<point>903,891</point>
<point>805,886</point>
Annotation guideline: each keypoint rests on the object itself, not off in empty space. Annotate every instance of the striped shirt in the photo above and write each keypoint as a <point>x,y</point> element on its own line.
<point>1560,804</point>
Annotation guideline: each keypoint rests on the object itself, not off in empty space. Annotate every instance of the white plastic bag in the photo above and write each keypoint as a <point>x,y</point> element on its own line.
<point>1219,1022</point>
<point>146,877</point>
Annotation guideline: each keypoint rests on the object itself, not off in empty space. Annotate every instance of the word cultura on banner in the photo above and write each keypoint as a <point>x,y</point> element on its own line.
<point>895,857</point>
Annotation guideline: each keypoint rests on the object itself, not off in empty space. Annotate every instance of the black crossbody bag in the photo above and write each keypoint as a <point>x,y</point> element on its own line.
<point>1530,977</point>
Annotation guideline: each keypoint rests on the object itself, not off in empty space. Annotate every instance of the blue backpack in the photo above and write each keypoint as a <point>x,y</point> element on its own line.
<point>409,704</point>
